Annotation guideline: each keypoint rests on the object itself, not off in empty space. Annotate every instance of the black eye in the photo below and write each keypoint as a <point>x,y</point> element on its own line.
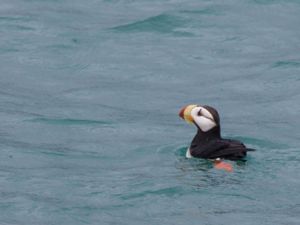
<point>199,112</point>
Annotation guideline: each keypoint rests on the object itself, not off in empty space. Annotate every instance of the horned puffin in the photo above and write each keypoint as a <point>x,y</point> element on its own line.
<point>208,143</point>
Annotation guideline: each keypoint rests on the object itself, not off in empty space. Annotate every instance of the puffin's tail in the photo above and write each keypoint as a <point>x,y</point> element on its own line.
<point>250,149</point>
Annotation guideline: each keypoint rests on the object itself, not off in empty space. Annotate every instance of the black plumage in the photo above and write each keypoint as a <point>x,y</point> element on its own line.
<point>210,145</point>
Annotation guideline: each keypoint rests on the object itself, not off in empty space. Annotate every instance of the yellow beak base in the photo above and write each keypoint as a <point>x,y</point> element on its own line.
<point>185,113</point>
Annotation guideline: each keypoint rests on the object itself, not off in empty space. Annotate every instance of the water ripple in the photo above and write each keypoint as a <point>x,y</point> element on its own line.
<point>286,64</point>
<point>205,11</point>
<point>69,121</point>
<point>169,192</point>
<point>162,23</point>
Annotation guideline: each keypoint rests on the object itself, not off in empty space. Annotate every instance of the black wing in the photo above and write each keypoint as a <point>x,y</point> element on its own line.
<point>227,149</point>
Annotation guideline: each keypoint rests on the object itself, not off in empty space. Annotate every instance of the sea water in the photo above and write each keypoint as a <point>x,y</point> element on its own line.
<point>89,98</point>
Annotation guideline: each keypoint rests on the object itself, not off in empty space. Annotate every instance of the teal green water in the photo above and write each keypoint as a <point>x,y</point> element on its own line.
<point>89,99</point>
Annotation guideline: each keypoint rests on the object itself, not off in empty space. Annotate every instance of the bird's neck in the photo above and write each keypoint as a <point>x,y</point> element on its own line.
<point>202,137</point>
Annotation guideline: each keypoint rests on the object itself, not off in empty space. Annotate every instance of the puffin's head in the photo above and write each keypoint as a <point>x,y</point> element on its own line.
<point>204,117</point>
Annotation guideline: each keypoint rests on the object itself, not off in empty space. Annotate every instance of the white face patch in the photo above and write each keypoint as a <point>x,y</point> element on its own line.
<point>204,119</point>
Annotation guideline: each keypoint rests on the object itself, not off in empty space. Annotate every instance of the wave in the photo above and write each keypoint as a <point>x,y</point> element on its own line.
<point>286,64</point>
<point>269,2</point>
<point>167,191</point>
<point>162,23</point>
<point>69,121</point>
<point>205,11</point>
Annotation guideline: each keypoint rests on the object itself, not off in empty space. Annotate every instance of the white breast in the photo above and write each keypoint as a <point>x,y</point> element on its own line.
<point>188,154</point>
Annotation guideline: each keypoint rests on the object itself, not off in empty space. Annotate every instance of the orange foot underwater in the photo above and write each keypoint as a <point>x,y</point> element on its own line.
<point>220,165</point>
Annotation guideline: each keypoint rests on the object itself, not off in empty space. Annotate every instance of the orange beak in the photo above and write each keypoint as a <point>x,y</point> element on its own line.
<point>181,112</point>
<point>185,113</point>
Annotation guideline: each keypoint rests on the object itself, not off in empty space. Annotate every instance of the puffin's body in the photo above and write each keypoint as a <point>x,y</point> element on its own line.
<point>208,143</point>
